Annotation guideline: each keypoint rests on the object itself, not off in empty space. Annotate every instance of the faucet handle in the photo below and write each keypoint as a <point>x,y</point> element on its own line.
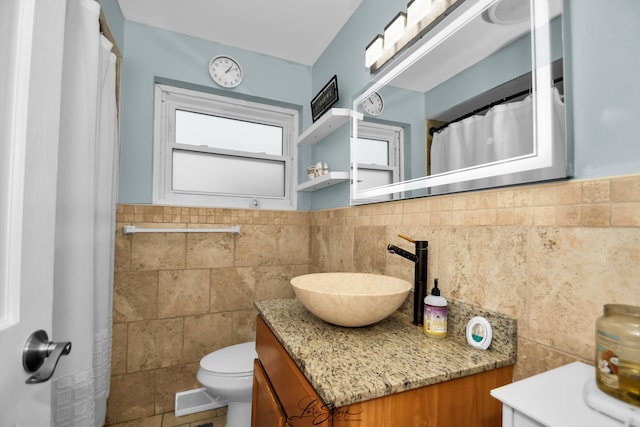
<point>407,238</point>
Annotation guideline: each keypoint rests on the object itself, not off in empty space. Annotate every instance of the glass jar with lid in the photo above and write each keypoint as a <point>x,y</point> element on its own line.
<point>618,352</point>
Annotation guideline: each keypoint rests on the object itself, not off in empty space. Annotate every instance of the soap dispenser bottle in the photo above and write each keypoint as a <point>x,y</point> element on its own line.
<point>435,313</point>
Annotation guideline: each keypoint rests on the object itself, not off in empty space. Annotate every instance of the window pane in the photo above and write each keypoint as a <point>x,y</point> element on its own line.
<point>373,152</point>
<point>369,178</point>
<point>228,134</point>
<point>214,173</point>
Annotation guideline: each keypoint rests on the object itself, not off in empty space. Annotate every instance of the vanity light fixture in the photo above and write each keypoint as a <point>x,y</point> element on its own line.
<point>373,51</point>
<point>394,30</point>
<point>403,29</point>
<point>416,11</point>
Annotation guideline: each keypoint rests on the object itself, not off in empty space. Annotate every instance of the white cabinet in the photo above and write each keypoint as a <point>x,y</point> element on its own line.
<point>556,399</point>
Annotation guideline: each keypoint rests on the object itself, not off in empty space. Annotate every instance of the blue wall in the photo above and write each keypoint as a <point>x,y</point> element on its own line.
<point>602,59</point>
<point>344,57</point>
<point>605,59</point>
<point>152,53</point>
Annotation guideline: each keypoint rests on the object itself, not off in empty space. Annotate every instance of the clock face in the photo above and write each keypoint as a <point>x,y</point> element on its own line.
<point>225,71</point>
<point>373,105</point>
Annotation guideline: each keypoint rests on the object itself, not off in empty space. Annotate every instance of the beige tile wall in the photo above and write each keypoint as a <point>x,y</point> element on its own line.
<point>550,255</point>
<point>180,296</point>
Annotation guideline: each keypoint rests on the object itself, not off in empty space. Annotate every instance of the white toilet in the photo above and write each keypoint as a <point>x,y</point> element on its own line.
<point>227,374</point>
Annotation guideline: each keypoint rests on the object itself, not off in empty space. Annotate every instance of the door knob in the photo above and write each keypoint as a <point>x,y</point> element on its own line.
<point>41,356</point>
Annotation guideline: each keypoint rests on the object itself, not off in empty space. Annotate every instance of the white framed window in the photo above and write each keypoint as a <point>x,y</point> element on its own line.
<point>216,151</point>
<point>379,156</point>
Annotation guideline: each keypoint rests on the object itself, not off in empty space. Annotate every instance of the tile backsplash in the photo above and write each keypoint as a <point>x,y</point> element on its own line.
<point>550,255</point>
<point>180,296</point>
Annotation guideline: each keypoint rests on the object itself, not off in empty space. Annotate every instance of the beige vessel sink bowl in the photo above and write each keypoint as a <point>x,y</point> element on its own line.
<point>350,299</point>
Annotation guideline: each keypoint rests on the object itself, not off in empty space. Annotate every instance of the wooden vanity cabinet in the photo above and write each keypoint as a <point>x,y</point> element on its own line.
<point>266,407</point>
<point>297,400</point>
<point>461,402</point>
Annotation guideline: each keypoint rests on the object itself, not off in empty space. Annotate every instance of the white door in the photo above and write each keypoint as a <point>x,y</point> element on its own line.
<point>32,35</point>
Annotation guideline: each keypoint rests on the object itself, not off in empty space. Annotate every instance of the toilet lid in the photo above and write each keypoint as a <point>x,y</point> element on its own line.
<point>235,359</point>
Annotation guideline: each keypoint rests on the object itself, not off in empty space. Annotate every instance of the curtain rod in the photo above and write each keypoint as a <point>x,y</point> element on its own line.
<point>433,129</point>
<point>132,229</point>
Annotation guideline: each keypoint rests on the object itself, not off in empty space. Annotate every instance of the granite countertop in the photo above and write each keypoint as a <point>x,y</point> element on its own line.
<point>350,365</point>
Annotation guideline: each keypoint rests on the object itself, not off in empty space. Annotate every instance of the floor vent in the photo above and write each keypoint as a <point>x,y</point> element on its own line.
<point>198,400</point>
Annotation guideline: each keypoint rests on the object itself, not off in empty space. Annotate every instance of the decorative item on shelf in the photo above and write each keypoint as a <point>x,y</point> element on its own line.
<point>406,27</point>
<point>317,170</point>
<point>225,71</point>
<point>323,101</point>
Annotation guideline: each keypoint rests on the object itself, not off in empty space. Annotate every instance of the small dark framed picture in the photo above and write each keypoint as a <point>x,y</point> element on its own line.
<point>325,98</point>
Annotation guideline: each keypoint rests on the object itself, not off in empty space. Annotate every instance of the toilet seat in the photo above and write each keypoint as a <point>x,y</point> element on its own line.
<point>233,361</point>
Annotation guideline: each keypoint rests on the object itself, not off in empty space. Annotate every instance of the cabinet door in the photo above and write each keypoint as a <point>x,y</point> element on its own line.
<point>462,402</point>
<point>299,401</point>
<point>266,408</point>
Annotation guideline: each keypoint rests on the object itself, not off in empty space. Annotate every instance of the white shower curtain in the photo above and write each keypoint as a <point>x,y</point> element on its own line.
<point>505,131</point>
<point>85,220</point>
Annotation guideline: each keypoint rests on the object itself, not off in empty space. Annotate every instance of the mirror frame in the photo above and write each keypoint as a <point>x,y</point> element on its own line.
<point>542,83</point>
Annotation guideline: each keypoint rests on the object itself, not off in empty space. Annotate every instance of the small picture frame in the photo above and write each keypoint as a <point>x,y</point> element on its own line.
<point>325,99</point>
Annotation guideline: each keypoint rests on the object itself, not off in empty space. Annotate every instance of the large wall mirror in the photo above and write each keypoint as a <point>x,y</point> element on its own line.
<point>476,102</point>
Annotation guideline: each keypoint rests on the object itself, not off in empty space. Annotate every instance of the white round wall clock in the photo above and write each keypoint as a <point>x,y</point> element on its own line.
<point>225,71</point>
<point>373,105</point>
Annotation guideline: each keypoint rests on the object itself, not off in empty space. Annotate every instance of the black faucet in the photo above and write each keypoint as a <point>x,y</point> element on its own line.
<point>420,280</point>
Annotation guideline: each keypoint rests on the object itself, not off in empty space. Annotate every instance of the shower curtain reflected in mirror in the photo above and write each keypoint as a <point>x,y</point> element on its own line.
<point>504,132</point>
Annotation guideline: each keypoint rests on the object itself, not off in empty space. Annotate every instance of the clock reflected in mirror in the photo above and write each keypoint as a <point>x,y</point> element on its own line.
<point>373,105</point>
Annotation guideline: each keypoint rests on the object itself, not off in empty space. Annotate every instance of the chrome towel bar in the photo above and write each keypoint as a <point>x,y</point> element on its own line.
<point>132,229</point>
